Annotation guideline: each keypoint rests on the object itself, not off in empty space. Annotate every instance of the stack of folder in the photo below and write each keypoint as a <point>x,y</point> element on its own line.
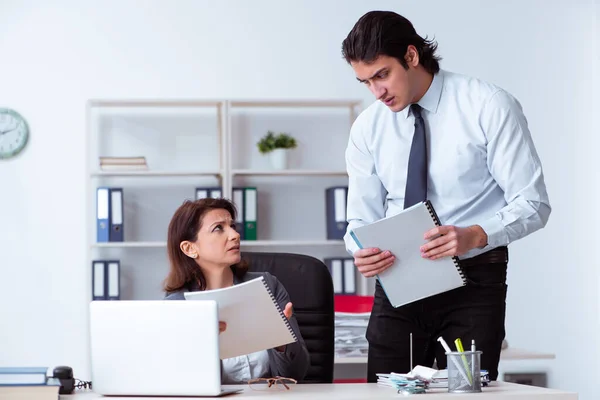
<point>352,315</point>
<point>350,334</point>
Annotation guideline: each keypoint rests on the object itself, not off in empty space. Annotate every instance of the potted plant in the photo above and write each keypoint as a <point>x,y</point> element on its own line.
<point>277,146</point>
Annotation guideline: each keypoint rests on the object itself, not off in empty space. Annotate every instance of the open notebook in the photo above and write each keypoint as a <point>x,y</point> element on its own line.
<point>411,277</point>
<point>254,320</point>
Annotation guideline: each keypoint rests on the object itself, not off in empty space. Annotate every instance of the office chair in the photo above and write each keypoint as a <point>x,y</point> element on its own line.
<point>309,284</point>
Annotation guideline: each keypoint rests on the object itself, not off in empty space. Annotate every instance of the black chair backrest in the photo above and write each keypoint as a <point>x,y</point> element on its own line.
<point>309,284</point>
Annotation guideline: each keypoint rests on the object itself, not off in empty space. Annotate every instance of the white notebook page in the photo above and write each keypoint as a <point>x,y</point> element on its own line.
<point>254,321</point>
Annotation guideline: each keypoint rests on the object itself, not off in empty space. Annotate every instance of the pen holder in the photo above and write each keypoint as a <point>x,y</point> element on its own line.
<point>464,372</point>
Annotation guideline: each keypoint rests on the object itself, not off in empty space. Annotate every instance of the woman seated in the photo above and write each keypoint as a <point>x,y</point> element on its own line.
<point>204,254</point>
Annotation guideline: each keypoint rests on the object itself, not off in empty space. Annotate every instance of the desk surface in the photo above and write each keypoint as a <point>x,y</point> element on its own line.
<point>496,391</point>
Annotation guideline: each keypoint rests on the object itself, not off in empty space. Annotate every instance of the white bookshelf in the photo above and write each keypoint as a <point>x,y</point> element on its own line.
<point>196,143</point>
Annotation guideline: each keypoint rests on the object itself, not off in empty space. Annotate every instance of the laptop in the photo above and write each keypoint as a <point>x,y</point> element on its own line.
<point>155,348</point>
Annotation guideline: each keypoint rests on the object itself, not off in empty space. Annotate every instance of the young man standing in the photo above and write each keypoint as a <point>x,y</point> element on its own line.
<point>462,143</point>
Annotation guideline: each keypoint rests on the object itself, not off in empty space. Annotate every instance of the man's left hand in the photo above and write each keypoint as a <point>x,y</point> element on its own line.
<point>449,240</point>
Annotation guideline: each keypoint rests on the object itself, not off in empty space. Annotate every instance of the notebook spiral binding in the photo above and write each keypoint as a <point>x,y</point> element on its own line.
<point>287,323</point>
<point>437,221</point>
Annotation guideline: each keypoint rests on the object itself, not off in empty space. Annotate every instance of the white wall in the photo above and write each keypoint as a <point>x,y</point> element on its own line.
<point>54,58</point>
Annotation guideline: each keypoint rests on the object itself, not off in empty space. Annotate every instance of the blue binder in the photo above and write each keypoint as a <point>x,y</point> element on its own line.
<point>335,211</point>
<point>102,214</point>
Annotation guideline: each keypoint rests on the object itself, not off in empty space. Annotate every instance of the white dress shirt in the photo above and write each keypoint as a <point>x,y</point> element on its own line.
<point>241,369</point>
<point>483,168</point>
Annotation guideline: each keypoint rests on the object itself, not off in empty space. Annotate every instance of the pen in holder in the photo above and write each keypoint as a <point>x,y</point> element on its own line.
<point>464,371</point>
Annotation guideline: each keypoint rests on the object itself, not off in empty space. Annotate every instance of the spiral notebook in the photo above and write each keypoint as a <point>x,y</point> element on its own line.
<point>255,321</point>
<point>411,277</point>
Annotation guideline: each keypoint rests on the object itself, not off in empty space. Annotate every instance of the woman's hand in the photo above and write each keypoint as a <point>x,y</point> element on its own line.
<point>288,314</point>
<point>222,326</point>
<point>288,311</point>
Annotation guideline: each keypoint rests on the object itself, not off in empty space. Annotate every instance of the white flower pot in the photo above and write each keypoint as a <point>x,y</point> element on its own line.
<point>279,158</point>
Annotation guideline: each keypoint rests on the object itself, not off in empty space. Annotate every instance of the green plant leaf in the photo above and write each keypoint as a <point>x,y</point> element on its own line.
<point>270,142</point>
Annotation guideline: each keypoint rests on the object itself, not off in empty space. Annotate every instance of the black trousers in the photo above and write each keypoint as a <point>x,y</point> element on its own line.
<point>475,311</point>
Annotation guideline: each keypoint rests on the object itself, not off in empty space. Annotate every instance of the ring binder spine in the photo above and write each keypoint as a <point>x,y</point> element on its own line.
<point>287,323</point>
<point>437,221</point>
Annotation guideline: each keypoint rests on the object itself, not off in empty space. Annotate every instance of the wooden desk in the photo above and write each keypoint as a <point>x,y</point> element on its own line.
<point>496,391</point>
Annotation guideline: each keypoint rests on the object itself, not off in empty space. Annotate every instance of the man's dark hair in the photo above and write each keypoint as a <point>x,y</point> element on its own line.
<point>386,33</point>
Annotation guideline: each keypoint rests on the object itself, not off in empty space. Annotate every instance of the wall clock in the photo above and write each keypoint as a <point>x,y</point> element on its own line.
<point>14,133</point>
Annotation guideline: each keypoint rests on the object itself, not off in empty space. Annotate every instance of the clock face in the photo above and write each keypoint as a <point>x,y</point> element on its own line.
<point>14,133</point>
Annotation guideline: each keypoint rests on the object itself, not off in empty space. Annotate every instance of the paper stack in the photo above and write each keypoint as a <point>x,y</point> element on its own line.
<point>350,331</point>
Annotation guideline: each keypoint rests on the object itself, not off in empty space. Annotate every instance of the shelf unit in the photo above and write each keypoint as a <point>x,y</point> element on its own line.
<point>118,128</point>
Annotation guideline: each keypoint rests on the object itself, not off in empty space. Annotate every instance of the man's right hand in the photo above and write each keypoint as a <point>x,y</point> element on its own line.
<point>372,261</point>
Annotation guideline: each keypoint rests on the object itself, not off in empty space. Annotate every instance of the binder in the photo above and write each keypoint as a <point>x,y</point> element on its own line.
<point>343,274</point>
<point>335,211</point>
<point>337,274</point>
<point>116,214</point>
<point>102,214</point>
<point>106,281</point>
<point>213,192</point>
<point>98,280</point>
<point>238,200</point>
<point>250,213</point>
<point>241,306</point>
<point>349,276</point>
<point>411,277</point>
<point>113,272</point>
<point>201,193</point>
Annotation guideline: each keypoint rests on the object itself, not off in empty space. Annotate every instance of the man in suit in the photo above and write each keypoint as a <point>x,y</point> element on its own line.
<point>461,143</point>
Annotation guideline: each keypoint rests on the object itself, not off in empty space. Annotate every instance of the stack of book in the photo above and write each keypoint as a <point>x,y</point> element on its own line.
<point>123,163</point>
<point>27,383</point>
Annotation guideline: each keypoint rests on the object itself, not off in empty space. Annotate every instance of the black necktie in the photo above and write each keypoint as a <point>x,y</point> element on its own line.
<point>416,179</point>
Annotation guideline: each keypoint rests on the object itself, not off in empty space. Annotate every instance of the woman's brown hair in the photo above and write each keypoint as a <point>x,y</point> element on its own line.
<point>184,225</point>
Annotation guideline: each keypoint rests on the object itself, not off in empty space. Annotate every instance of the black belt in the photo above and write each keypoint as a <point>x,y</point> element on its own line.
<point>497,255</point>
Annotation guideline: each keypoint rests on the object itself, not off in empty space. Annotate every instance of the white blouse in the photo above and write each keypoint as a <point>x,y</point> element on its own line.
<point>243,368</point>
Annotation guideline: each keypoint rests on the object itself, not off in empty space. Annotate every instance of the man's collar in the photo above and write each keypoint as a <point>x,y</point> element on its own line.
<point>431,98</point>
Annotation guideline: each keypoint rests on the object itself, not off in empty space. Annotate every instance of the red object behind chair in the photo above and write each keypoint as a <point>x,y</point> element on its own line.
<point>353,304</point>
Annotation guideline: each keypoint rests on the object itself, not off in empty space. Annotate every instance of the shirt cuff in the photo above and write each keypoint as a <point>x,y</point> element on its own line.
<point>496,234</point>
<point>351,246</point>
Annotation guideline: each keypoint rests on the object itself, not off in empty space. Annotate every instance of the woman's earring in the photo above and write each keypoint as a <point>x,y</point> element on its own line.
<point>194,255</point>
